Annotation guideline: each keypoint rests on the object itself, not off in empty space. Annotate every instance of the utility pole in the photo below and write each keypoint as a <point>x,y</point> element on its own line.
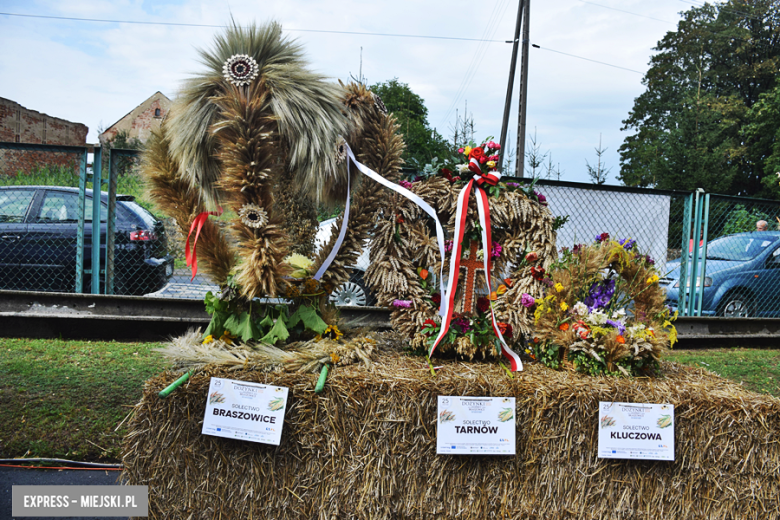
<point>510,87</point>
<point>519,165</point>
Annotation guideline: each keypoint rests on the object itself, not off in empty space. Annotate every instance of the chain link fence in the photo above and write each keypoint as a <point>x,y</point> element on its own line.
<point>736,265</point>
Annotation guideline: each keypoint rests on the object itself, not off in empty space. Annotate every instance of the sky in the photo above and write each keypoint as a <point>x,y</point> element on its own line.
<point>96,72</point>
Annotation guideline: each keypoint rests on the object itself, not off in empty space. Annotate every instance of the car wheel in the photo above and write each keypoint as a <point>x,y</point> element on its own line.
<point>737,305</point>
<point>354,292</point>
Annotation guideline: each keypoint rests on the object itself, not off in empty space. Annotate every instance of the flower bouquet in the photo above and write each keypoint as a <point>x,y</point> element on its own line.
<point>603,311</point>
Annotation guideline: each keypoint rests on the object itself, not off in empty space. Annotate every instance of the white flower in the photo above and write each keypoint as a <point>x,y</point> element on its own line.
<point>463,168</point>
<point>580,309</point>
<point>597,318</point>
<point>619,314</point>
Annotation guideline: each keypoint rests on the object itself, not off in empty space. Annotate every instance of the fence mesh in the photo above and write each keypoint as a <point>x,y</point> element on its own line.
<point>736,266</point>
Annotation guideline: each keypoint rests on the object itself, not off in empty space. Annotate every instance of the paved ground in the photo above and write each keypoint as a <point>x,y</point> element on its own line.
<point>180,286</point>
<point>51,477</point>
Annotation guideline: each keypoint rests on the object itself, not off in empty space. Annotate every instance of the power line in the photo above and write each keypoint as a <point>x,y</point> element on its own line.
<point>174,24</point>
<point>627,12</point>
<point>586,59</point>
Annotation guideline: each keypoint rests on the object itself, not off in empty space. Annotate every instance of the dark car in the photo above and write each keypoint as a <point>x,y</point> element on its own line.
<point>38,230</point>
<point>742,276</point>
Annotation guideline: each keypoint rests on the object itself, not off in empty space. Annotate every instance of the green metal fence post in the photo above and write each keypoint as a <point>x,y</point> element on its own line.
<point>111,221</point>
<point>694,273</point>
<point>703,259</point>
<point>79,285</point>
<point>686,233</point>
<point>97,178</point>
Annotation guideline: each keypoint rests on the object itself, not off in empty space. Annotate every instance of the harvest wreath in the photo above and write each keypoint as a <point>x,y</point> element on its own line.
<point>603,311</point>
<point>405,259</point>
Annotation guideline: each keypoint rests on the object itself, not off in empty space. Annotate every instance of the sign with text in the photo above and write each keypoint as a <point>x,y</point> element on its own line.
<point>636,431</point>
<point>247,411</point>
<point>475,426</point>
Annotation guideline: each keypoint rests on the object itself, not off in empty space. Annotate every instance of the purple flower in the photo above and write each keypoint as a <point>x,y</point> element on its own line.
<point>527,300</point>
<point>619,326</point>
<point>403,304</point>
<point>448,246</point>
<point>513,184</point>
<point>406,184</point>
<point>599,295</point>
<point>462,324</point>
<point>577,247</point>
<point>542,199</point>
<point>627,244</point>
<point>649,260</point>
<point>496,252</point>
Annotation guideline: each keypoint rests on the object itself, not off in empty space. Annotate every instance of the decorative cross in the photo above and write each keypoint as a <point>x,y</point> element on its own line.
<point>471,265</point>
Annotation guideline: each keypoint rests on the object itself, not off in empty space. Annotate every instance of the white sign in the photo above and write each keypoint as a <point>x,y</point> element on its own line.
<point>636,431</point>
<point>247,411</point>
<point>475,426</point>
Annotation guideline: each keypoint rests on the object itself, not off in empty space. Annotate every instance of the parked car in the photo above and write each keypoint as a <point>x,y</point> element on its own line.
<point>742,276</point>
<point>38,229</point>
<point>354,291</point>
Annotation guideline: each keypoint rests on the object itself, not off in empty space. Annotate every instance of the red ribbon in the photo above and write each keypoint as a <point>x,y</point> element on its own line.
<point>197,225</point>
<point>460,225</point>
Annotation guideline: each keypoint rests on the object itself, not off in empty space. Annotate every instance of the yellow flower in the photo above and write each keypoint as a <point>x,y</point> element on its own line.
<point>331,332</point>
<point>559,287</point>
<point>491,164</point>
<point>501,289</point>
<point>564,307</point>
<point>227,337</point>
<point>208,339</point>
<point>467,150</point>
<point>652,279</point>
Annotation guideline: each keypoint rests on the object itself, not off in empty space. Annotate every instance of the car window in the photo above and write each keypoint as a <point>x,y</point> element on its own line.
<point>739,248</point>
<point>14,204</point>
<point>61,207</point>
<point>138,210</point>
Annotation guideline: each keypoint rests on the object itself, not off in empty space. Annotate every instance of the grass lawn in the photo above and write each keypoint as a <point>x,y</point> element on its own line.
<point>65,399</point>
<point>757,369</point>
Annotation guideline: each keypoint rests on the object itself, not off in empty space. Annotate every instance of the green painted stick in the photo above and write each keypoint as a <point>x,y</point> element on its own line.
<point>321,381</point>
<point>176,384</point>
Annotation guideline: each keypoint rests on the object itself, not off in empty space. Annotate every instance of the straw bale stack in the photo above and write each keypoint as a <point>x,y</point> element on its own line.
<point>366,448</point>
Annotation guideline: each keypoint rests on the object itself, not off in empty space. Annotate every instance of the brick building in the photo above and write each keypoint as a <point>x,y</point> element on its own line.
<point>140,122</point>
<point>21,125</point>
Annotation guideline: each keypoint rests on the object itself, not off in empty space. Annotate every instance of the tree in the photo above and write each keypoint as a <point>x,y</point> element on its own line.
<point>689,126</point>
<point>598,174</point>
<point>422,142</point>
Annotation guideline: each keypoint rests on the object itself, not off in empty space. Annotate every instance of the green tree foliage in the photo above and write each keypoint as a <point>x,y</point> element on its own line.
<point>422,142</point>
<point>692,126</point>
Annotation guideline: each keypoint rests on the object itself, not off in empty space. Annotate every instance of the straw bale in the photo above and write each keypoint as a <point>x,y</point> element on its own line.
<point>366,449</point>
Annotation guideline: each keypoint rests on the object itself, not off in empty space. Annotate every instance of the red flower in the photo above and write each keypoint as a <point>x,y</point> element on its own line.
<point>429,323</point>
<point>531,257</point>
<point>483,304</point>
<point>564,326</point>
<point>476,153</point>
<point>505,329</point>
<point>537,273</point>
<point>603,237</point>
<point>399,219</point>
<point>509,283</point>
<point>447,174</point>
<point>436,298</point>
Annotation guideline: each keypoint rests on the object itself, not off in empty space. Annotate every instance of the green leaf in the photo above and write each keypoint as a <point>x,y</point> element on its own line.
<point>242,326</point>
<point>217,324</point>
<point>278,332</point>
<point>294,318</point>
<point>311,319</point>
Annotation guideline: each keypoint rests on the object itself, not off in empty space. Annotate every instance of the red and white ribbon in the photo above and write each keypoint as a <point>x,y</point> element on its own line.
<point>483,209</point>
<point>398,189</point>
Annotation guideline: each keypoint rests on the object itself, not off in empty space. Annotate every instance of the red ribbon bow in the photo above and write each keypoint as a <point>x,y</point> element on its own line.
<point>197,225</point>
<point>482,178</point>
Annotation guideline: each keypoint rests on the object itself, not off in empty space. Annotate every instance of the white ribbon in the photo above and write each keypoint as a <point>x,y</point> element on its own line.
<point>398,189</point>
